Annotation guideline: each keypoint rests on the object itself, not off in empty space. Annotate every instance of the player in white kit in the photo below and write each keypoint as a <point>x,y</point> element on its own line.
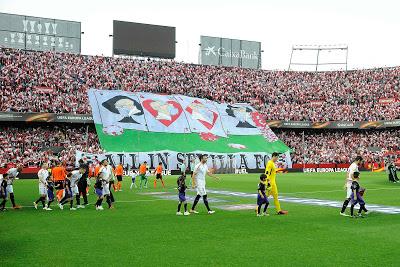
<point>105,175</point>
<point>43,175</point>
<point>10,176</point>
<point>75,176</point>
<point>349,179</point>
<point>199,182</point>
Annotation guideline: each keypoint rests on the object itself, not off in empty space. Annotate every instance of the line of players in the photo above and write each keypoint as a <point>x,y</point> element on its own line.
<point>72,185</point>
<point>75,184</point>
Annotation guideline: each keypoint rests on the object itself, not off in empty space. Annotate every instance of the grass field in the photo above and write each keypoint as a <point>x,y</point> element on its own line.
<point>143,229</point>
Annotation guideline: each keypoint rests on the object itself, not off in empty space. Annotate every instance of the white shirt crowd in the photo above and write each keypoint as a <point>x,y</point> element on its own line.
<point>280,95</point>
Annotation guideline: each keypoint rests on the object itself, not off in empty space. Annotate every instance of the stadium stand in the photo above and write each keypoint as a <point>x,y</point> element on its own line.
<point>31,145</point>
<point>41,81</point>
<point>58,83</point>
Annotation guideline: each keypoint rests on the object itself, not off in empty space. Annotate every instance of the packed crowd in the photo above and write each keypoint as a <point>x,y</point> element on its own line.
<point>340,146</point>
<point>33,145</point>
<point>57,82</point>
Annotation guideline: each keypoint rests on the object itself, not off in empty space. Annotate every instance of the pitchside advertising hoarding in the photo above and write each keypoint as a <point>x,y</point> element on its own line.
<point>42,34</point>
<point>230,52</point>
<point>334,124</point>
<point>87,118</point>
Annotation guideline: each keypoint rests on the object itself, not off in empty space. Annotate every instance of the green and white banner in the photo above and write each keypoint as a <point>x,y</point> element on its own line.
<point>145,122</point>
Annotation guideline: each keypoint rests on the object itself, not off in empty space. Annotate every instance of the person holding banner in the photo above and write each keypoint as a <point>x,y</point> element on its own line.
<point>142,174</point>
<point>270,171</point>
<point>58,174</point>
<point>119,172</point>
<point>158,172</point>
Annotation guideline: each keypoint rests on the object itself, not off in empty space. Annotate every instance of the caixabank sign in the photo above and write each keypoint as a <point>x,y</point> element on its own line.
<point>230,52</point>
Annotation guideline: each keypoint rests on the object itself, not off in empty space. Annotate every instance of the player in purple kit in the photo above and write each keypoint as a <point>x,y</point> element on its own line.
<point>182,196</point>
<point>3,194</point>
<point>262,196</point>
<point>67,193</point>
<point>50,193</point>
<point>357,196</point>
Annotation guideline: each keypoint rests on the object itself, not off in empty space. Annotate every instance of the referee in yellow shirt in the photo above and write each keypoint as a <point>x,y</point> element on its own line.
<point>270,171</point>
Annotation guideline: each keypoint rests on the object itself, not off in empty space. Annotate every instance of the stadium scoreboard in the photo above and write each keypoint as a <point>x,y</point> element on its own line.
<point>137,39</point>
<point>220,51</point>
<point>43,34</point>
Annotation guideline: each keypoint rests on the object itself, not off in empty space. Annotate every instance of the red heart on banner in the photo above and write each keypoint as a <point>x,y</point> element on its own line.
<point>155,113</point>
<point>206,124</point>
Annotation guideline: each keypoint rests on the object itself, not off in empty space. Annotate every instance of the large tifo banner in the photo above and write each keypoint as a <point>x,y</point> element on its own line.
<point>151,124</point>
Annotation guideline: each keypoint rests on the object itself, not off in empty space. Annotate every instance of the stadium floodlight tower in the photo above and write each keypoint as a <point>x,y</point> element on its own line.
<point>321,55</point>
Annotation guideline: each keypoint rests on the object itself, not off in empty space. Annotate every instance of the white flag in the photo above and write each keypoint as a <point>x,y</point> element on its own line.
<point>117,109</point>
<point>202,115</point>
<point>237,119</point>
<point>163,113</point>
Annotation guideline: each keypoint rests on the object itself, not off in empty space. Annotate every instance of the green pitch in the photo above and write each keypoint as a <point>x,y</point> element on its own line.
<point>143,229</point>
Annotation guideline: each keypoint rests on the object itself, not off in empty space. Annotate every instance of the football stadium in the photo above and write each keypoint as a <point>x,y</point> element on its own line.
<point>152,133</point>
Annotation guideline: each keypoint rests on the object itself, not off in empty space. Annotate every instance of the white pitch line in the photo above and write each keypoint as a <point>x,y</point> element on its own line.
<point>339,190</point>
<point>312,201</point>
<point>140,200</point>
<point>120,201</point>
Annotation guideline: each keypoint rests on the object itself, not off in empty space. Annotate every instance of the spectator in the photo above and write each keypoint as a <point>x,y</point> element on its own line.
<point>336,95</point>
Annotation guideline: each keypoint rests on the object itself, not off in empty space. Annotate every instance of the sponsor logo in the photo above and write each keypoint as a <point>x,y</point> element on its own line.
<point>325,169</point>
<point>228,53</point>
<point>345,124</point>
<point>241,171</point>
<point>210,50</point>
